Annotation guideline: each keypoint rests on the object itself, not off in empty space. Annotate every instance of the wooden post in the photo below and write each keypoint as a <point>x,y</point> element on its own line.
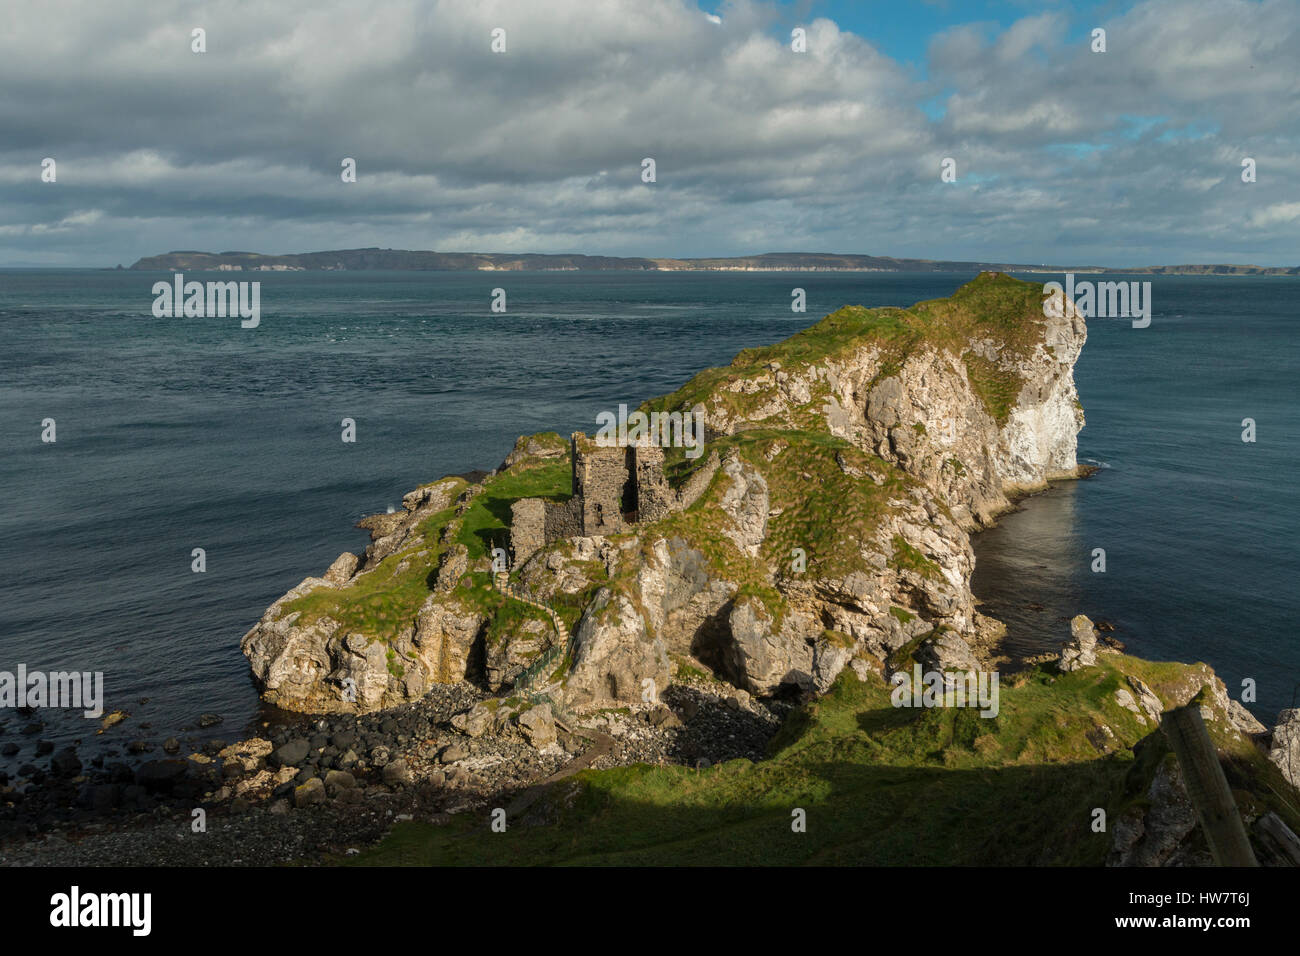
<point>1208,787</point>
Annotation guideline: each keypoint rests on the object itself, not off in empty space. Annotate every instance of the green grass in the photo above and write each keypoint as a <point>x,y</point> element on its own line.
<point>806,484</point>
<point>996,387</point>
<point>383,603</point>
<point>908,558</point>
<point>902,614</point>
<point>485,524</point>
<point>508,621</point>
<point>880,785</point>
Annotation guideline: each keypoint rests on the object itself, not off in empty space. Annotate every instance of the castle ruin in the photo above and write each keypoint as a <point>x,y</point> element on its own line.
<point>613,487</point>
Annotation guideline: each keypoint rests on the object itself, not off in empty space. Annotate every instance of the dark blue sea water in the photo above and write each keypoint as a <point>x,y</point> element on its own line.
<point>175,434</point>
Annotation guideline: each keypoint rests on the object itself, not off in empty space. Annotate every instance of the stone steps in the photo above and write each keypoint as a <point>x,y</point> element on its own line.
<point>549,656</point>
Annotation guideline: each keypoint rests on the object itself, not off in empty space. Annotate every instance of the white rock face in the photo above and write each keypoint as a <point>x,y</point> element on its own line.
<point>746,502</point>
<point>614,656</point>
<point>926,416</point>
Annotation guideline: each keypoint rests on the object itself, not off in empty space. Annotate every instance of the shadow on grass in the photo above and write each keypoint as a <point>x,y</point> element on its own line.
<point>742,814</point>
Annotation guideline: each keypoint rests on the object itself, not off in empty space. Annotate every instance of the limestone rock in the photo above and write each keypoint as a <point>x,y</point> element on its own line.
<point>745,501</point>
<point>1285,750</point>
<point>1147,700</point>
<point>1151,836</point>
<point>513,649</point>
<point>538,726</point>
<point>948,652</point>
<point>1243,719</point>
<point>341,571</point>
<point>1081,650</point>
<point>476,721</point>
<point>455,562</point>
<point>613,655</point>
<point>760,659</point>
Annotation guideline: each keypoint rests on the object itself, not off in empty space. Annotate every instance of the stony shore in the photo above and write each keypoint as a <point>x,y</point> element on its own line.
<point>327,785</point>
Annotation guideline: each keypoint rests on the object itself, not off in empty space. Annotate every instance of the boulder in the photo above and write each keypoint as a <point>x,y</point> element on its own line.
<point>538,726</point>
<point>342,570</point>
<point>291,753</point>
<point>310,793</point>
<point>453,753</point>
<point>65,763</point>
<point>396,773</point>
<point>336,780</point>
<point>476,721</point>
<point>160,776</point>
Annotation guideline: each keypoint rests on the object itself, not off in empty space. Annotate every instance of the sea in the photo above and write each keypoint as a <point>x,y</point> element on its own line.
<point>178,434</point>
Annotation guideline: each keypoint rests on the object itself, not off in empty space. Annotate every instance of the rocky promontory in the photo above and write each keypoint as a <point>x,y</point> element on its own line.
<point>827,527</point>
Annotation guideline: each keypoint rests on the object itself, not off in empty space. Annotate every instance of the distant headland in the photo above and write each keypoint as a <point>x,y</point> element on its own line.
<point>351,260</point>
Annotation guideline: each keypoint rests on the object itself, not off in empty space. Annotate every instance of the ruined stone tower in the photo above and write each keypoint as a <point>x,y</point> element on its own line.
<point>613,487</point>
<point>601,482</point>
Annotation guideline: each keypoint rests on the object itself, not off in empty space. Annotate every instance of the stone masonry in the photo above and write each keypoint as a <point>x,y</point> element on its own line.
<point>613,488</point>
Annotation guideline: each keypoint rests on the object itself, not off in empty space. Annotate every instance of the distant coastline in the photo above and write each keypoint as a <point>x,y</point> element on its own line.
<point>350,260</point>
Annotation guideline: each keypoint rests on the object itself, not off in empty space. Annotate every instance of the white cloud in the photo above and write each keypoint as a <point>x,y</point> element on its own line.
<point>540,148</point>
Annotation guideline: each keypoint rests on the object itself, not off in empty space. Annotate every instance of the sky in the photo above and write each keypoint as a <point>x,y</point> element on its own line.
<point>1060,153</point>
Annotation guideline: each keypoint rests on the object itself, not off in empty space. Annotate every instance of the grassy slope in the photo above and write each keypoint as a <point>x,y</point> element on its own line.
<point>383,602</point>
<point>880,785</point>
<point>996,307</point>
<point>807,485</point>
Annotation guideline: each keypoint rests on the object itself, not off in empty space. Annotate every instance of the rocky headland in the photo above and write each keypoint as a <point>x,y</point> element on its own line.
<point>579,609</point>
<point>430,261</point>
<point>843,472</point>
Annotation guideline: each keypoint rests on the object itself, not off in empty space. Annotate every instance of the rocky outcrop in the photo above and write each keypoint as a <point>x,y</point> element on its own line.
<point>1285,749</point>
<point>317,663</point>
<point>1080,650</point>
<point>977,418</point>
<point>1156,832</point>
<point>827,525</point>
<point>614,656</point>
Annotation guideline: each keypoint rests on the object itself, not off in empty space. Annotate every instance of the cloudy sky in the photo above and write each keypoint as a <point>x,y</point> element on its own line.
<point>1063,155</point>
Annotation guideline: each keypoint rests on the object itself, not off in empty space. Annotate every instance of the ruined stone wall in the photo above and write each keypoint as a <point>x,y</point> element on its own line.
<point>599,477</point>
<point>527,528</point>
<point>602,476</point>
<point>654,498</point>
<point>697,482</point>
<point>563,520</point>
